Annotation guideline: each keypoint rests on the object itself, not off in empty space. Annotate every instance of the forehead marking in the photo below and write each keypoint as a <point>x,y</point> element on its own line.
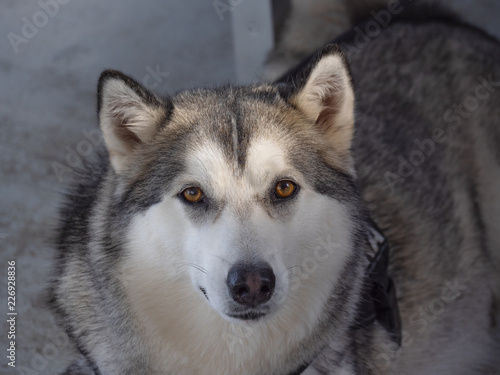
<point>235,143</point>
<point>266,160</point>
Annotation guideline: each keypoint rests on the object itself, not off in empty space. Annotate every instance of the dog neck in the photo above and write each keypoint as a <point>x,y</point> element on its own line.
<point>378,301</point>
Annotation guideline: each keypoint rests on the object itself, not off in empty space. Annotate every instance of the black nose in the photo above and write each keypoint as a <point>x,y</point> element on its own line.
<point>251,285</point>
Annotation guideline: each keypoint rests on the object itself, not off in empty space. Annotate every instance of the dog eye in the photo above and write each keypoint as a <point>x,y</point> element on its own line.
<point>285,189</point>
<point>192,194</point>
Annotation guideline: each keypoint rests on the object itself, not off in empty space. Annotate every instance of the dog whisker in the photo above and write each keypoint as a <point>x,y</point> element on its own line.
<point>276,253</point>
<point>195,266</point>
<point>221,258</point>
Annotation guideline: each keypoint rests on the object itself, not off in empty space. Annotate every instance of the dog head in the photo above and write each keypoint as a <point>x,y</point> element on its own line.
<point>242,197</point>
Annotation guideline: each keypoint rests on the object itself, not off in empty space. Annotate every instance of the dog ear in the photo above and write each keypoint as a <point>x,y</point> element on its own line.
<point>324,93</point>
<point>129,115</point>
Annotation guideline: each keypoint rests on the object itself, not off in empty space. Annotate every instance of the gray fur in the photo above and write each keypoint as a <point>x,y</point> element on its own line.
<point>441,220</point>
<point>440,217</point>
<point>310,24</point>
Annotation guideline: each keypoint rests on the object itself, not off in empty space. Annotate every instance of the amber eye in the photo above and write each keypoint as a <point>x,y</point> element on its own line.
<point>192,194</point>
<point>285,189</point>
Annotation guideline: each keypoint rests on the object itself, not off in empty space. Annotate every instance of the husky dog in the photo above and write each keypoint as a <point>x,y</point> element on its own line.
<point>232,230</point>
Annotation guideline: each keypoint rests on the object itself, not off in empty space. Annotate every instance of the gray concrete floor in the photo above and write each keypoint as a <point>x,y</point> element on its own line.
<point>48,76</point>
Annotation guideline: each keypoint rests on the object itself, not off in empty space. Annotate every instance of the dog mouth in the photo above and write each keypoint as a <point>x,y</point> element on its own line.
<point>204,291</point>
<point>246,315</point>
<point>251,315</point>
